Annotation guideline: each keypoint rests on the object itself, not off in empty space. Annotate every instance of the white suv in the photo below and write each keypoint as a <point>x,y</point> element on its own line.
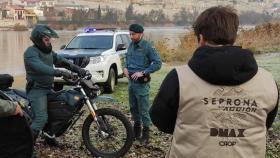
<point>106,49</point>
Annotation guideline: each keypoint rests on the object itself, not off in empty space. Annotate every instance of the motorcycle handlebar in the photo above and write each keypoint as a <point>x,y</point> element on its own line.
<point>74,78</point>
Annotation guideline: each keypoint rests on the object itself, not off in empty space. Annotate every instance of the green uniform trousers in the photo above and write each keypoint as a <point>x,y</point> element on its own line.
<point>139,102</point>
<point>38,101</point>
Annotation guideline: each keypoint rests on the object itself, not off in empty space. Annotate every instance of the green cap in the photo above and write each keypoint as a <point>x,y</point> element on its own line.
<point>136,28</point>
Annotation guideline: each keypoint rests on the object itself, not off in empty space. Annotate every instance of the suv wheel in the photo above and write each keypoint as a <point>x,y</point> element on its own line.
<point>109,86</point>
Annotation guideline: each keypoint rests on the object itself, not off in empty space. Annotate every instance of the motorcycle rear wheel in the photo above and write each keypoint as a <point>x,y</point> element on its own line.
<point>114,136</point>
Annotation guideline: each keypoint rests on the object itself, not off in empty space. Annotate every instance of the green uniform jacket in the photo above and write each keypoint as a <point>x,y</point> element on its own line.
<point>39,67</point>
<point>7,107</point>
<point>142,56</point>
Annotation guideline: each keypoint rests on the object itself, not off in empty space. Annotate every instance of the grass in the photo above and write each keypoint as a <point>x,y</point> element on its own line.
<point>271,63</point>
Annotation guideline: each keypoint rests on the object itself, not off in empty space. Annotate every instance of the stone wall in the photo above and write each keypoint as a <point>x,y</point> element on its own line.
<point>10,23</point>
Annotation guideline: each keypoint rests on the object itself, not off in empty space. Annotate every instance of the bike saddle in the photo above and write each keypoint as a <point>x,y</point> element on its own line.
<point>20,93</point>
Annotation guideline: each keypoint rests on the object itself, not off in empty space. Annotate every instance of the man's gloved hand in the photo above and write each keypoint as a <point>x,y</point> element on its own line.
<point>60,73</point>
<point>80,71</point>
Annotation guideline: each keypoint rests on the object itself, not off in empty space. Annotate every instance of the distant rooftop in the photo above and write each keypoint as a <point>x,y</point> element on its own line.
<point>16,7</point>
<point>32,1</point>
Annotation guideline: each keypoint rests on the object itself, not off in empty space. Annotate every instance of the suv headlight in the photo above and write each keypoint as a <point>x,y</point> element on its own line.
<point>97,59</point>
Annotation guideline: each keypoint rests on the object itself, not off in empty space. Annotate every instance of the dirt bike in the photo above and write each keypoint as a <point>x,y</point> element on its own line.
<point>106,132</point>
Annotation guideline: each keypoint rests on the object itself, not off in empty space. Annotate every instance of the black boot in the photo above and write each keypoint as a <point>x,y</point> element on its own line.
<point>145,136</point>
<point>51,141</point>
<point>137,130</point>
<point>35,135</point>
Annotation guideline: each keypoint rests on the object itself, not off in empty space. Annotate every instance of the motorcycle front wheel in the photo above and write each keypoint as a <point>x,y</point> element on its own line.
<point>110,136</point>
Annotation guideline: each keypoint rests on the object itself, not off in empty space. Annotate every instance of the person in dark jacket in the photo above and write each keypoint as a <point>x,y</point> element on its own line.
<point>141,60</point>
<point>39,60</point>
<point>15,134</point>
<point>221,102</point>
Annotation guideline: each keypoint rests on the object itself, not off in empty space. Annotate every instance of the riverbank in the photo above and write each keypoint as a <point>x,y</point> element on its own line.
<point>260,39</point>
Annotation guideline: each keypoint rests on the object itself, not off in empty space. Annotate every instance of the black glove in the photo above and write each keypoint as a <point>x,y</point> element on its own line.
<point>81,72</point>
<point>60,73</point>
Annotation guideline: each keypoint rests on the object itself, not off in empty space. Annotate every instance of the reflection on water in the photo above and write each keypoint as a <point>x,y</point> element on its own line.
<point>13,45</point>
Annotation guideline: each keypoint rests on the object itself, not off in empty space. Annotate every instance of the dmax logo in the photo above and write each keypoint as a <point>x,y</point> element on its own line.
<point>220,132</point>
<point>227,143</point>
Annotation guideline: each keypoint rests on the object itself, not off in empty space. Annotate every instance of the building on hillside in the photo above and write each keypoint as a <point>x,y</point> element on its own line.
<point>68,13</point>
<point>31,3</point>
<point>31,17</point>
<point>4,13</point>
<point>16,12</point>
<point>67,10</point>
<point>47,3</point>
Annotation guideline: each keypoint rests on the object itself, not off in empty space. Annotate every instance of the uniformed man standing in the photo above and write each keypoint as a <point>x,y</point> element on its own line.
<point>141,61</point>
<point>39,60</point>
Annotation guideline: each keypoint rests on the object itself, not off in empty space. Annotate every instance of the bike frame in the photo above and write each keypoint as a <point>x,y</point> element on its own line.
<point>90,105</point>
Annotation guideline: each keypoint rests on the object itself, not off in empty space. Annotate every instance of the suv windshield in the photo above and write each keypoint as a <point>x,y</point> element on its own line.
<point>91,42</point>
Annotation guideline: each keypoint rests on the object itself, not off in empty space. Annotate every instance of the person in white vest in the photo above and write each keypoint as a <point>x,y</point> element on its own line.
<point>220,104</point>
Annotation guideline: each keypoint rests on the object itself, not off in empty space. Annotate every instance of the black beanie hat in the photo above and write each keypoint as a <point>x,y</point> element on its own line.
<point>136,28</point>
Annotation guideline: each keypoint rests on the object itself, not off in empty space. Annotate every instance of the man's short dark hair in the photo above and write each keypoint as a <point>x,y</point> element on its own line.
<point>218,25</point>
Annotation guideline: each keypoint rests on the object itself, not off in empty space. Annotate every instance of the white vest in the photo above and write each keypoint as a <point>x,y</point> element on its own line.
<point>216,121</point>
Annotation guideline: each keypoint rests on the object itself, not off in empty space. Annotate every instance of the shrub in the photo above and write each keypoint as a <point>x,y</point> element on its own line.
<point>183,52</point>
<point>19,27</point>
<point>263,38</point>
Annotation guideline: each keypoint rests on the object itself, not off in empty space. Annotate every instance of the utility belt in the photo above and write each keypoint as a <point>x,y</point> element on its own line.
<point>32,84</point>
<point>143,79</point>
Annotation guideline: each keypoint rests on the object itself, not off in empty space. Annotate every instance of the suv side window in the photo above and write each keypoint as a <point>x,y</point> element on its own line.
<point>126,40</point>
<point>118,40</point>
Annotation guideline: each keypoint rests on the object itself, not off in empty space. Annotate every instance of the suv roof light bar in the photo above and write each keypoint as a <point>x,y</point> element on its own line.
<point>92,29</point>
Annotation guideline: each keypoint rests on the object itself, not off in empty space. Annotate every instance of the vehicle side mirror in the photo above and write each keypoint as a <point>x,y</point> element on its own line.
<point>121,47</point>
<point>63,46</point>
